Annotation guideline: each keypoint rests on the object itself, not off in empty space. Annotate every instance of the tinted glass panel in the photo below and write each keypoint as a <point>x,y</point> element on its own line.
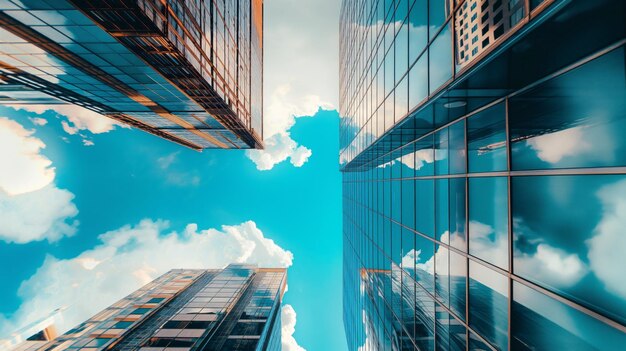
<point>418,81</point>
<point>489,220</point>
<point>440,59</point>
<point>569,237</point>
<point>425,211</point>
<point>488,307</point>
<point>539,322</point>
<point>418,29</point>
<point>486,140</point>
<point>575,120</point>
<point>458,284</point>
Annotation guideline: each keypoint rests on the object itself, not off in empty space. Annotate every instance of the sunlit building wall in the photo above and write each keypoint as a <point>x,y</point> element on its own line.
<point>237,308</point>
<point>484,174</point>
<point>187,71</point>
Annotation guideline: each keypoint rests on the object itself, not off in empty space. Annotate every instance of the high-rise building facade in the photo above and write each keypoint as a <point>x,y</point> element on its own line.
<point>234,309</point>
<point>188,71</point>
<point>483,151</point>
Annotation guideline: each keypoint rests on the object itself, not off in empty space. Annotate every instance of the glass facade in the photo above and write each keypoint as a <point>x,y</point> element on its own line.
<point>484,174</point>
<point>188,71</point>
<point>234,309</point>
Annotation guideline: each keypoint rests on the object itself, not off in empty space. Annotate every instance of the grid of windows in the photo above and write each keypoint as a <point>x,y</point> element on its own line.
<point>498,227</point>
<point>236,308</point>
<point>175,68</point>
<point>108,326</point>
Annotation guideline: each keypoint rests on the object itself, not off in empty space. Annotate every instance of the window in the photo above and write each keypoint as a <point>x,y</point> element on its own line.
<point>486,140</point>
<point>488,304</point>
<point>489,220</point>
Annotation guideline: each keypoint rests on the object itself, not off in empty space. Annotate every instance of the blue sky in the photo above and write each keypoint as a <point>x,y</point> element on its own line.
<point>128,176</point>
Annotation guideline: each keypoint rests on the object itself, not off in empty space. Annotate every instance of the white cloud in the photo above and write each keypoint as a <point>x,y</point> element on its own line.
<point>300,73</point>
<point>288,318</point>
<point>45,214</point>
<point>553,265</point>
<point>130,257</point>
<point>80,117</point>
<point>300,156</point>
<point>277,149</point>
<point>555,146</point>
<point>24,168</point>
<point>32,207</point>
<point>88,142</point>
<point>607,247</point>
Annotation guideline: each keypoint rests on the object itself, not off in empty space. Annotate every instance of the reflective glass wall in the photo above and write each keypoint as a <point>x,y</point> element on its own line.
<point>499,229</point>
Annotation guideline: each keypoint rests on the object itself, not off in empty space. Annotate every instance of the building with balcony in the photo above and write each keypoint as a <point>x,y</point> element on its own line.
<point>484,174</point>
<point>190,72</point>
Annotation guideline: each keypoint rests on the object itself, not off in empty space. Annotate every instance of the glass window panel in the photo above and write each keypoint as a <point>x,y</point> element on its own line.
<point>450,333</point>
<point>539,322</point>
<point>424,157</point>
<point>440,59</point>
<point>401,45</point>
<point>424,319</point>
<point>456,144</point>
<point>424,265</point>
<point>441,152</point>
<point>442,281</point>
<point>488,304</point>
<point>486,140</point>
<point>424,207</point>
<point>489,220</point>
<point>408,203</point>
<point>457,221</point>
<point>418,29</point>
<point>418,82</point>
<point>458,283</point>
<point>442,211</point>
<point>408,251</point>
<point>438,12</point>
<point>569,237</point>
<point>574,120</point>
<point>402,99</point>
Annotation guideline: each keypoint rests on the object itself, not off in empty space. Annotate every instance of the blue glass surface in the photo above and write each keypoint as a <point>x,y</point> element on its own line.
<point>539,322</point>
<point>486,140</point>
<point>574,120</point>
<point>488,304</point>
<point>489,220</point>
<point>569,238</point>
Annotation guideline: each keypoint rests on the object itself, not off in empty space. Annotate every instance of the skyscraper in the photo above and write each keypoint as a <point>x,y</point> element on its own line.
<point>237,309</point>
<point>188,71</point>
<point>484,174</point>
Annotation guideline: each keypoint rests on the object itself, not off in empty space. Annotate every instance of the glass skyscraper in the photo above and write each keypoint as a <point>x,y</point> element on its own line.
<point>234,309</point>
<point>483,151</point>
<point>187,71</point>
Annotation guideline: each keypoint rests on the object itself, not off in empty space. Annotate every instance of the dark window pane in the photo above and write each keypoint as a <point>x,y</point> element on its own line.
<point>457,196</point>
<point>539,322</point>
<point>569,237</point>
<point>577,119</point>
<point>486,140</point>
<point>488,304</point>
<point>489,220</point>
